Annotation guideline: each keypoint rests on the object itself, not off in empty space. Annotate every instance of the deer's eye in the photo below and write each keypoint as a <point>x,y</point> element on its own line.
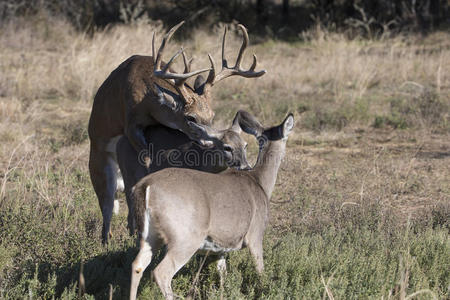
<point>227,148</point>
<point>191,119</point>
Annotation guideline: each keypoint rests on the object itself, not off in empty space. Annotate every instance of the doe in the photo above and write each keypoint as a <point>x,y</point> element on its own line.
<point>229,150</point>
<point>189,210</point>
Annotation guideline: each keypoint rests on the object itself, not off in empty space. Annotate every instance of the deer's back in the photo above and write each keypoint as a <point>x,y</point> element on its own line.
<point>221,206</point>
<point>124,88</point>
<point>171,148</point>
<point>168,148</point>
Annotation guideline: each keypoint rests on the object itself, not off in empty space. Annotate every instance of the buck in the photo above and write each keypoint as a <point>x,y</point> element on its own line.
<point>172,148</point>
<point>189,210</point>
<point>144,91</point>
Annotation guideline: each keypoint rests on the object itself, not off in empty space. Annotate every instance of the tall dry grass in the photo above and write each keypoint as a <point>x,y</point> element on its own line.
<point>45,57</point>
<point>347,166</point>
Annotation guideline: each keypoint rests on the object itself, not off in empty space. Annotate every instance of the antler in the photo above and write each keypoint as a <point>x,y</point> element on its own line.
<point>165,73</point>
<point>236,70</point>
<point>187,69</point>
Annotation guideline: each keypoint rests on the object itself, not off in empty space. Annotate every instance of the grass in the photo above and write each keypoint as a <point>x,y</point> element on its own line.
<point>362,203</point>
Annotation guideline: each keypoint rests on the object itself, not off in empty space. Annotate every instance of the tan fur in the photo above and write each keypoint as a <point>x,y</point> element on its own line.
<point>194,210</point>
<point>166,140</point>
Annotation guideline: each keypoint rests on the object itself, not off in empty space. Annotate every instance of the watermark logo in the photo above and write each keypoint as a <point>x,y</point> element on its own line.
<point>191,158</point>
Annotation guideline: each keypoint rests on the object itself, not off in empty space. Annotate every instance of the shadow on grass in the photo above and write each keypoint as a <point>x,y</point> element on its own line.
<point>110,268</point>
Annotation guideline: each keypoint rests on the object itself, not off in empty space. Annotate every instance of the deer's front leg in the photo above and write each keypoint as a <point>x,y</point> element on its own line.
<point>135,135</point>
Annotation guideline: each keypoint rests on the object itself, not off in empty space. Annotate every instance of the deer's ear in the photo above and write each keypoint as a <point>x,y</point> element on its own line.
<point>235,126</point>
<point>281,131</point>
<point>288,125</point>
<point>199,84</point>
<point>247,122</point>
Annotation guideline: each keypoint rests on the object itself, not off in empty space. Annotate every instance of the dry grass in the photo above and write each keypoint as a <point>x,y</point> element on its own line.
<point>349,163</point>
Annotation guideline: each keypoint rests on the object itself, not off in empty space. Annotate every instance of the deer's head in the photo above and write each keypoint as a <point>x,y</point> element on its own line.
<point>191,106</point>
<point>230,143</point>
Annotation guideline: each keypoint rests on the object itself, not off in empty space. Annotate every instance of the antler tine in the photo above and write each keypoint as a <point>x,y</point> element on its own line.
<point>165,40</point>
<point>212,73</point>
<point>187,69</point>
<point>187,65</point>
<point>243,46</point>
<point>253,66</point>
<point>224,61</point>
<point>167,66</point>
<point>190,64</point>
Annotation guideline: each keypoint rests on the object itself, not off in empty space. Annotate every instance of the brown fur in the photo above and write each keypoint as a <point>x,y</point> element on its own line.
<point>126,103</point>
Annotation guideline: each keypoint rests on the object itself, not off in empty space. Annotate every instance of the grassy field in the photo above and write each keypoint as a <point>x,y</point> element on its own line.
<point>361,208</point>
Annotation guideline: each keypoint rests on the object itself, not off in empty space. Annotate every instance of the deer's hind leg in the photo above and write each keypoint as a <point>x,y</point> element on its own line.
<point>132,171</point>
<point>148,246</point>
<point>178,254</point>
<point>103,171</point>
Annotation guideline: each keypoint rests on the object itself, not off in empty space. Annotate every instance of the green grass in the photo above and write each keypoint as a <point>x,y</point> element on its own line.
<point>356,261</point>
<point>359,253</point>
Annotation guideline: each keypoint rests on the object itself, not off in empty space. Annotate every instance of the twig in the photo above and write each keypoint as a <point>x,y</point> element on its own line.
<point>81,282</point>
<point>194,283</point>
<point>8,169</point>
<point>327,289</point>
<point>413,83</point>
<point>348,203</point>
<point>421,292</point>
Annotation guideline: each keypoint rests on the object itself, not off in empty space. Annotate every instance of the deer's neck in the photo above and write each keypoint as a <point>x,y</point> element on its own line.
<point>267,165</point>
